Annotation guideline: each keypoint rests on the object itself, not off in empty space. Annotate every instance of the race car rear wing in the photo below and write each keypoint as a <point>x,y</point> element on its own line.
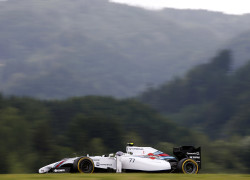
<point>188,152</point>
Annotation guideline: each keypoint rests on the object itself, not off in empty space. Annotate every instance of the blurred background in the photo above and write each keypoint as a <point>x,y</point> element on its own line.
<point>84,77</point>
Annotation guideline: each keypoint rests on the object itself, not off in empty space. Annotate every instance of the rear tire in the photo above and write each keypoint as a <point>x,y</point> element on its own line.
<point>188,166</point>
<point>84,165</point>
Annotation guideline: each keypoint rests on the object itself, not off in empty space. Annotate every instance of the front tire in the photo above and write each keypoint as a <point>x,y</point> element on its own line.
<point>84,165</point>
<point>188,166</point>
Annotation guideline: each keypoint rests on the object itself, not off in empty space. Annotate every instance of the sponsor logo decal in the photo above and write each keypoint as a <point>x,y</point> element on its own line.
<point>195,153</point>
<point>105,164</point>
<point>194,157</point>
<point>137,149</point>
<point>59,170</point>
<point>96,159</point>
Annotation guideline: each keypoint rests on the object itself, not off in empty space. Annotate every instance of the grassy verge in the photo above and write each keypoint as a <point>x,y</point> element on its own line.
<point>124,176</point>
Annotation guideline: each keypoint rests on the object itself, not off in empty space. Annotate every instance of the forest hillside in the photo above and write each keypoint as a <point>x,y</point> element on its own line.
<point>60,48</point>
<point>34,133</point>
<point>211,98</point>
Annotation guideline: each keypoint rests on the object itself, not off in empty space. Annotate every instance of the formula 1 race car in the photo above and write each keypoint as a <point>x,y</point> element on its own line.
<point>136,159</point>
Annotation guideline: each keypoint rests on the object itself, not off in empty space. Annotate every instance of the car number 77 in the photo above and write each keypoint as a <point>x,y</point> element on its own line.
<point>131,160</point>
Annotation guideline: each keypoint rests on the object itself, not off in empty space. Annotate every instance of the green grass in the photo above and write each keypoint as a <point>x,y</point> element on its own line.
<point>125,176</point>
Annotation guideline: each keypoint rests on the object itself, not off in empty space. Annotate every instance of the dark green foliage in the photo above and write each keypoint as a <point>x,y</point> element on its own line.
<point>35,133</point>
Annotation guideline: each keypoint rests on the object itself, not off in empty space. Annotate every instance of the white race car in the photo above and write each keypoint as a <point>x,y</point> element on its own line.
<point>136,159</point>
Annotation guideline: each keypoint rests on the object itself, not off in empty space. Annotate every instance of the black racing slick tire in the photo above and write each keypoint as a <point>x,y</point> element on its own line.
<point>188,166</point>
<point>84,165</point>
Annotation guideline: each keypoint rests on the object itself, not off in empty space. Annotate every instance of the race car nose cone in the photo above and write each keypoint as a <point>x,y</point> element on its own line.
<point>41,170</point>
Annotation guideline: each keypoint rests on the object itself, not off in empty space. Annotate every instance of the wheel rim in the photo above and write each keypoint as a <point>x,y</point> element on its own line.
<point>86,166</point>
<point>190,168</point>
